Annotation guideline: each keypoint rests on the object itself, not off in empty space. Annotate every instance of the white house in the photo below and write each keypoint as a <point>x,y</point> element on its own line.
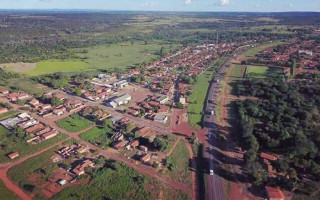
<point>120,84</point>
<point>160,118</point>
<point>124,99</point>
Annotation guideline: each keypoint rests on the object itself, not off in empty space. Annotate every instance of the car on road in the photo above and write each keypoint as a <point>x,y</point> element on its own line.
<point>211,172</point>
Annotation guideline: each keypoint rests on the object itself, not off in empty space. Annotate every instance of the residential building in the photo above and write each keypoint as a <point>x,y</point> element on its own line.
<point>13,155</point>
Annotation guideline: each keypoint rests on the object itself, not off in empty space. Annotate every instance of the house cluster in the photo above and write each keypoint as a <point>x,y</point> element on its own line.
<point>36,131</point>
<point>80,168</point>
<point>71,150</point>
<point>306,54</point>
<point>103,87</point>
<point>16,96</point>
<point>45,109</point>
<point>95,112</point>
<point>151,107</point>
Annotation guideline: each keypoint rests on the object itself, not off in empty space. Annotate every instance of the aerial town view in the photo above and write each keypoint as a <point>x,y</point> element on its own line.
<point>160,100</point>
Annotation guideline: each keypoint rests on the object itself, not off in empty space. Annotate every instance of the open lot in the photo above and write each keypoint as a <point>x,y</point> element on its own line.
<point>74,123</point>
<point>98,135</point>
<point>263,72</point>
<point>178,164</point>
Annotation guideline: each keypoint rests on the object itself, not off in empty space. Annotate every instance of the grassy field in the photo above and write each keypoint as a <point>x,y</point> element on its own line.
<point>179,162</point>
<point>123,55</point>
<point>20,173</point>
<point>263,72</point>
<point>198,98</point>
<point>74,123</point>
<point>8,114</point>
<point>11,143</point>
<point>5,193</point>
<point>252,52</point>
<point>52,66</point>
<point>98,135</point>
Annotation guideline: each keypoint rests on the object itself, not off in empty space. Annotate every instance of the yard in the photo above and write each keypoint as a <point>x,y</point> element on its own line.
<point>6,194</point>
<point>98,135</point>
<point>52,66</point>
<point>263,72</point>
<point>11,143</point>
<point>252,52</point>
<point>178,164</point>
<point>74,123</point>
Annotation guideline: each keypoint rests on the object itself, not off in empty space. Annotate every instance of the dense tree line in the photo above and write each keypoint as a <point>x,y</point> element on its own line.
<point>283,121</point>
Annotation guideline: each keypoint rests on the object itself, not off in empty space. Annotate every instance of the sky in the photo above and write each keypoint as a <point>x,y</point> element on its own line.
<point>168,5</point>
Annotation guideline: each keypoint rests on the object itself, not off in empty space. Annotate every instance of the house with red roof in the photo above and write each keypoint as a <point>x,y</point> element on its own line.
<point>13,155</point>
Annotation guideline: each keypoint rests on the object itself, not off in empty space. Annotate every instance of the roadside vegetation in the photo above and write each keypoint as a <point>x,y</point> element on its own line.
<point>199,95</point>
<point>74,123</point>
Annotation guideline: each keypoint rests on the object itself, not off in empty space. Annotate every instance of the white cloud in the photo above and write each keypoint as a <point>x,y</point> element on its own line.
<point>148,4</point>
<point>225,2</point>
<point>188,2</point>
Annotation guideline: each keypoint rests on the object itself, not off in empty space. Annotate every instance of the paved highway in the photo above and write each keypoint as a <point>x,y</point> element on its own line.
<point>214,182</point>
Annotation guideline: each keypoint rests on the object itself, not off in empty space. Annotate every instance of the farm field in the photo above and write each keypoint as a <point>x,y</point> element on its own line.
<point>52,66</point>
<point>11,143</point>
<point>263,72</point>
<point>178,164</point>
<point>253,51</point>
<point>98,135</point>
<point>123,55</point>
<point>6,194</point>
<point>74,123</point>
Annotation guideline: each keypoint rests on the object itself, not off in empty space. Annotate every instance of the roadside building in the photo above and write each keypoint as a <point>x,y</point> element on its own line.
<point>143,148</point>
<point>120,144</point>
<point>124,99</point>
<point>120,84</point>
<point>50,134</point>
<point>3,110</point>
<point>145,158</point>
<point>160,118</point>
<point>13,155</point>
